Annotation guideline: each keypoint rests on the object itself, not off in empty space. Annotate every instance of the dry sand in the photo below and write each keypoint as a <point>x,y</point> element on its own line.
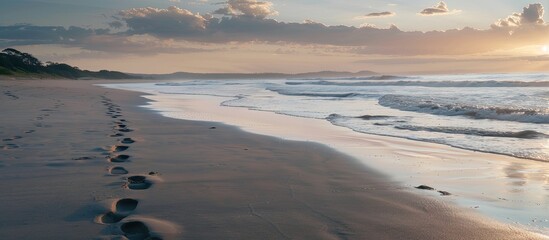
<point>68,172</point>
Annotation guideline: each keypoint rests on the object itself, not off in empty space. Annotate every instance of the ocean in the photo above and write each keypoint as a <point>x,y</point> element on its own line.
<point>496,113</point>
<point>505,114</point>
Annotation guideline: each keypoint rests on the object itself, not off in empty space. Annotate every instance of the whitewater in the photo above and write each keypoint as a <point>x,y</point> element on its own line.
<point>496,113</point>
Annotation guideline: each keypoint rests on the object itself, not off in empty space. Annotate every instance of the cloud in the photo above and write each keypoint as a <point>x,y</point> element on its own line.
<point>179,25</point>
<point>116,24</point>
<point>138,44</point>
<point>440,9</point>
<point>538,58</point>
<point>531,15</point>
<point>367,39</point>
<point>377,15</point>
<point>249,8</point>
<point>163,22</point>
<point>30,35</point>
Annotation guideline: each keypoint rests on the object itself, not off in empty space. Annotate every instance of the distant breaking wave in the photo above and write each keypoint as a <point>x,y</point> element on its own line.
<point>313,94</point>
<point>427,105</point>
<point>464,84</point>
<point>382,77</point>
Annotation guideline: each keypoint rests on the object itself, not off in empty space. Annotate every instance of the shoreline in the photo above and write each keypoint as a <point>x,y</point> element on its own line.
<point>500,186</point>
<point>206,183</point>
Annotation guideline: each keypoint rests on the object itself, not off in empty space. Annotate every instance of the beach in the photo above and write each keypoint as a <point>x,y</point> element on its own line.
<point>79,161</point>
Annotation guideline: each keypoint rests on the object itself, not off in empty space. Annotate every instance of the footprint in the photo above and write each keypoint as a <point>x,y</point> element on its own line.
<point>121,209</point>
<point>12,138</point>
<point>119,158</point>
<point>117,135</point>
<point>138,183</point>
<point>10,146</point>
<point>142,227</point>
<point>30,131</point>
<point>110,217</point>
<point>136,230</point>
<point>118,171</point>
<point>126,205</point>
<point>83,158</point>
<point>125,130</point>
<point>119,148</point>
<point>127,141</point>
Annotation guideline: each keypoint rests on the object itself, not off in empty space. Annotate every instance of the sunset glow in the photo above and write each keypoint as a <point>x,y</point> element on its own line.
<point>274,119</point>
<point>260,36</point>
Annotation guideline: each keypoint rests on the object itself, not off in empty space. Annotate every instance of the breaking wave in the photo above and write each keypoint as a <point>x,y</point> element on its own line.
<point>527,134</point>
<point>427,105</point>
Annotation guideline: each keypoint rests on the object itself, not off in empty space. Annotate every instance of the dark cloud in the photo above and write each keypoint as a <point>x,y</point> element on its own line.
<point>531,15</point>
<point>440,9</point>
<point>378,14</point>
<point>116,24</point>
<point>137,44</point>
<point>29,35</point>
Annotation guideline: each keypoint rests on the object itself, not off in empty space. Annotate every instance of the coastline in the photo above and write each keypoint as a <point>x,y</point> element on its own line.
<point>502,187</point>
<point>208,184</point>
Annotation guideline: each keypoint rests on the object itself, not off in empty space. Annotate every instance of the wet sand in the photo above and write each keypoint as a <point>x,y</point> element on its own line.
<point>83,162</point>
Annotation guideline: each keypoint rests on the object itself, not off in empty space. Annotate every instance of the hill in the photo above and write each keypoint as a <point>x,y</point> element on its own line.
<point>19,64</point>
<point>323,74</point>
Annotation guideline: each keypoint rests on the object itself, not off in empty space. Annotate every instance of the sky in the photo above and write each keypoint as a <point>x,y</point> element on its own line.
<point>393,37</point>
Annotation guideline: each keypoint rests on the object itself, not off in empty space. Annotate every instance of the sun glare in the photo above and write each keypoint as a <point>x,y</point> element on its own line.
<point>545,49</point>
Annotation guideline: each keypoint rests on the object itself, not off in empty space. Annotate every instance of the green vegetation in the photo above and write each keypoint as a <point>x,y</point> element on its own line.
<point>19,64</point>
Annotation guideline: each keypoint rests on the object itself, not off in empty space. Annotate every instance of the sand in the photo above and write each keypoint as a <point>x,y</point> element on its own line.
<point>512,190</point>
<point>83,162</point>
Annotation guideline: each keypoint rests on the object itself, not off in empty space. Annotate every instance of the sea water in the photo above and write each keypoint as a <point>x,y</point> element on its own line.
<point>497,113</point>
<point>505,114</point>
